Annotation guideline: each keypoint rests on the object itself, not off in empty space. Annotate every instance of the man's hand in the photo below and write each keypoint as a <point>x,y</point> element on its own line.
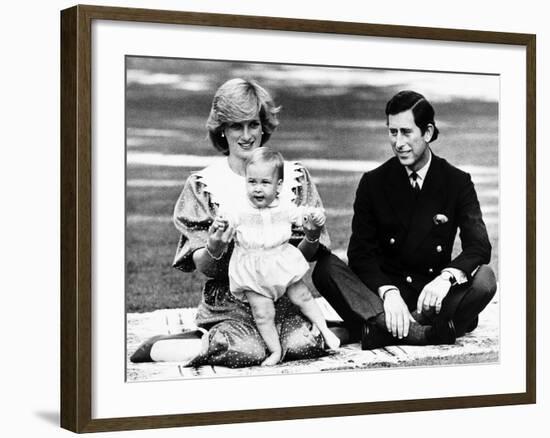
<point>432,295</point>
<point>398,317</point>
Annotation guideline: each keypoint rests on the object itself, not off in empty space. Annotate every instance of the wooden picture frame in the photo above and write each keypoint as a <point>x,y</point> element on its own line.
<point>76,218</point>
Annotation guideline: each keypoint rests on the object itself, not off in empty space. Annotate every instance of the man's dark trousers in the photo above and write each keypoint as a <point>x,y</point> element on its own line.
<point>356,303</point>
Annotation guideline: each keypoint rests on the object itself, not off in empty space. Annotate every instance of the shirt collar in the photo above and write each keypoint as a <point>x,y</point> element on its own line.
<point>276,202</point>
<point>421,172</point>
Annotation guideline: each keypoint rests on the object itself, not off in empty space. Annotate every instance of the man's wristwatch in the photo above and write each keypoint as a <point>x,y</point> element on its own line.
<point>446,275</point>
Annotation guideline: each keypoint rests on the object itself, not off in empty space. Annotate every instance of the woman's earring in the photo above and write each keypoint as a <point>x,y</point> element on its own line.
<point>223,135</point>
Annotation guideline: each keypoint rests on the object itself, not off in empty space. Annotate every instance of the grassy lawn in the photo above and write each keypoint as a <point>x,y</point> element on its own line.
<point>319,120</point>
<point>153,190</point>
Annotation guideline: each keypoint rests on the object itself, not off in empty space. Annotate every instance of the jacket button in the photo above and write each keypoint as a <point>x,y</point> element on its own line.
<point>392,241</point>
<point>408,279</point>
<point>430,270</point>
<point>438,248</point>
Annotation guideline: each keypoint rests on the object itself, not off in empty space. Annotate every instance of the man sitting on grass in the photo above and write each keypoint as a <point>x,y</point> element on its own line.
<point>405,287</point>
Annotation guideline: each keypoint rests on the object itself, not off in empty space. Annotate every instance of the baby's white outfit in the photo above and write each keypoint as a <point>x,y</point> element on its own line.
<point>263,261</point>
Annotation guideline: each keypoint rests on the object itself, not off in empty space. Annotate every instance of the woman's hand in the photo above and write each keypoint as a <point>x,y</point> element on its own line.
<point>313,221</point>
<point>317,217</point>
<point>220,234</point>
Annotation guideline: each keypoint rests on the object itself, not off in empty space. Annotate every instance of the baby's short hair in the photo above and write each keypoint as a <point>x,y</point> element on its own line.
<point>265,154</point>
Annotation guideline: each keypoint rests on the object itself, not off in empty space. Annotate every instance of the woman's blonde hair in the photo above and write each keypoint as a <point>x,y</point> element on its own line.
<point>239,100</point>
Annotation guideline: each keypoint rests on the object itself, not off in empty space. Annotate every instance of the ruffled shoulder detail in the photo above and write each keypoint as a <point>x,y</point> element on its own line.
<point>228,191</point>
<point>225,187</point>
<point>294,174</point>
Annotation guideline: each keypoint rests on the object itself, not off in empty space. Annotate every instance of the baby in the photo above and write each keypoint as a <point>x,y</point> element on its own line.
<point>264,265</point>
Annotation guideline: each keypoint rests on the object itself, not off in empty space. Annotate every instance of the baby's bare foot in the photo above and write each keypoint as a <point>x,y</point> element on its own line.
<point>273,359</point>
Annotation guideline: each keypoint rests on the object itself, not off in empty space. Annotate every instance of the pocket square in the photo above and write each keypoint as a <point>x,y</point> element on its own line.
<point>440,219</point>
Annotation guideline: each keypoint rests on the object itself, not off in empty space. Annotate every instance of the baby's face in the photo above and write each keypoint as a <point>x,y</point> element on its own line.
<point>262,184</point>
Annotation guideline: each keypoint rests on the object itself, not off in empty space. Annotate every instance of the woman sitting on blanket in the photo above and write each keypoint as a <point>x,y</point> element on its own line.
<point>242,119</point>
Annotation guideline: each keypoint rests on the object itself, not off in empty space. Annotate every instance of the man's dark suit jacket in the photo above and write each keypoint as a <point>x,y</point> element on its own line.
<point>395,240</point>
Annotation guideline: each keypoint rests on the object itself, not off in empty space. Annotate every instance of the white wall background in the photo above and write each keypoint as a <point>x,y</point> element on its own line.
<point>29,217</point>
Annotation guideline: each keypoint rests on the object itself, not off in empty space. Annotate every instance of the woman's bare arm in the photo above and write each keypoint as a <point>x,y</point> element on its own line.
<point>206,259</point>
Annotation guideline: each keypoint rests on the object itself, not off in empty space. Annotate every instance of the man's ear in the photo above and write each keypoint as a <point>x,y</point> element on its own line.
<point>428,134</point>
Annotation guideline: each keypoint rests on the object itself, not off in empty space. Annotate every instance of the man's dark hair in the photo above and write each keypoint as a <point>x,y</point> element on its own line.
<point>422,110</point>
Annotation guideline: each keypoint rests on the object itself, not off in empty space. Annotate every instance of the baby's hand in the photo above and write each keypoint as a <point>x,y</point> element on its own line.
<point>317,217</point>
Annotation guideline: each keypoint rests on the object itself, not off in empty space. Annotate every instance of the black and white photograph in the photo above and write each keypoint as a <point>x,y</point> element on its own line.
<point>285,219</point>
<point>275,218</point>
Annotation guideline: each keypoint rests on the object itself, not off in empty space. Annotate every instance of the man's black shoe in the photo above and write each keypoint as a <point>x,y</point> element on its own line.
<point>442,332</point>
<point>373,337</point>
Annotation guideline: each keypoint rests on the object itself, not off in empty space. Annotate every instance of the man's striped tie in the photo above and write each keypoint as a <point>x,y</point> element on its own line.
<point>415,185</point>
